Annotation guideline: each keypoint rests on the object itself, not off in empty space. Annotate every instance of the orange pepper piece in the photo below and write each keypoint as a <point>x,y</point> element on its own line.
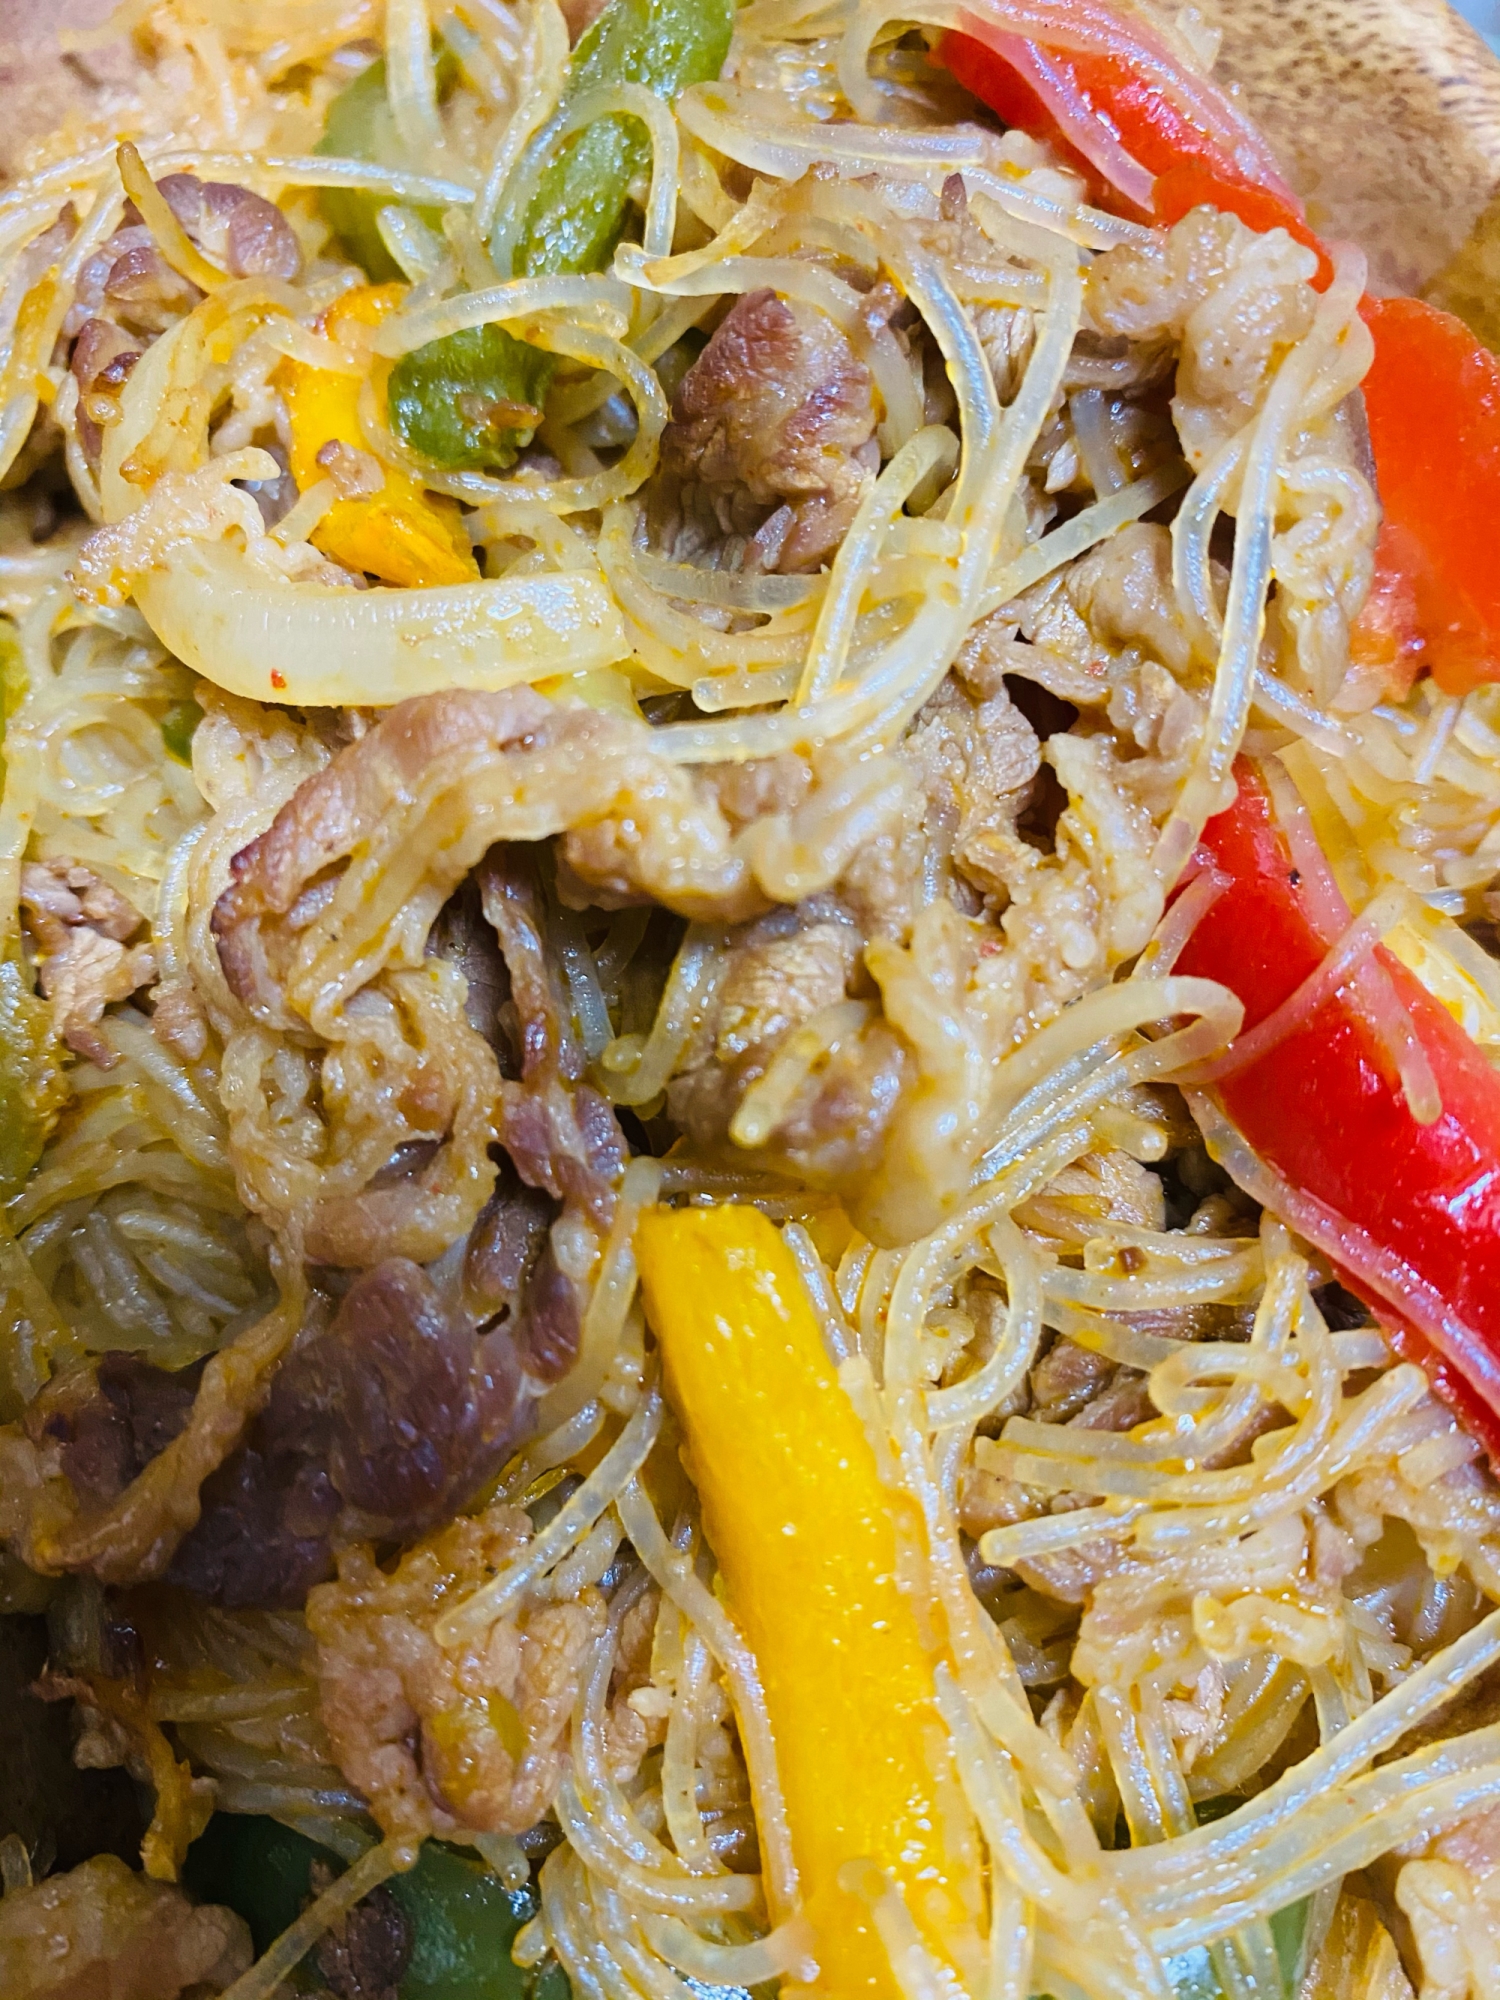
<point>403,534</point>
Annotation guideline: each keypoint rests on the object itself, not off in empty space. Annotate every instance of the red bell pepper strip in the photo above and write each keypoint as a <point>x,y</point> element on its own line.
<point>1432,395</point>
<point>1432,399</point>
<point>1195,183</point>
<point>1190,168</point>
<point>1408,1213</point>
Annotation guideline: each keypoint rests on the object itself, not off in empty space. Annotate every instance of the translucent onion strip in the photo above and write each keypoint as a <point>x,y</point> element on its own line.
<point>1075,114</point>
<point>1371,1263</point>
<point>320,646</point>
<point>1084,27</point>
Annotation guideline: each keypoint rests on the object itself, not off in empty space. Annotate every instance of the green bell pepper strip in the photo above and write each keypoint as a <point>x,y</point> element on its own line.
<point>178,726</point>
<point>471,400</point>
<point>666,45</point>
<point>462,401</point>
<point>359,126</point>
<point>463,1919</point>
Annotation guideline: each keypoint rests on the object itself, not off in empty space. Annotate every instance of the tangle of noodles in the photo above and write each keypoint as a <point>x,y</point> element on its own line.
<point>772,796</point>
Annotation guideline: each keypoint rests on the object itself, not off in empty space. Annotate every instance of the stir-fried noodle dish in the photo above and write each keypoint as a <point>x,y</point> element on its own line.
<point>750,1165</point>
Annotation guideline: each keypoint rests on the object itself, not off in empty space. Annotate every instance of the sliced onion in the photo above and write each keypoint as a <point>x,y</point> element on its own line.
<point>1334,972</point>
<point>1373,1267</point>
<point>316,646</point>
<point>1086,28</point>
<point>1077,118</point>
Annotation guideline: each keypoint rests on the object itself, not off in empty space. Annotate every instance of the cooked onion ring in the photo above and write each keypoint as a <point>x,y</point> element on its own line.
<point>232,624</point>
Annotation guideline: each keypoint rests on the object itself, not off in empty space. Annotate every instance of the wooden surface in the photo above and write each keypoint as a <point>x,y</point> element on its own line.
<point>1385,115</point>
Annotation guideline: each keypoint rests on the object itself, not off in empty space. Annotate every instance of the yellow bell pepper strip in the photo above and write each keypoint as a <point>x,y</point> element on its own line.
<point>806,1543</point>
<point>401,534</point>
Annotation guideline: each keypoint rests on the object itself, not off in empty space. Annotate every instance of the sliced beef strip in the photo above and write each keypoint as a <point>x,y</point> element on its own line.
<point>561,1136</point>
<point>504,1245</point>
<point>112,1419</point>
<point>129,281</point>
<point>241,229</point>
<point>511,1273</point>
<point>784,969</point>
<point>81,929</point>
<point>511,899</point>
<point>550,1327</point>
<point>102,359</point>
<point>397,1398</point>
<point>379,1426</point>
<point>772,439</point>
<point>265,1533</point>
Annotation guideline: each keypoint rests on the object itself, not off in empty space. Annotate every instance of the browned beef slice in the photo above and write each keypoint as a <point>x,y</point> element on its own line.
<point>379,1426</point>
<point>772,435</point>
